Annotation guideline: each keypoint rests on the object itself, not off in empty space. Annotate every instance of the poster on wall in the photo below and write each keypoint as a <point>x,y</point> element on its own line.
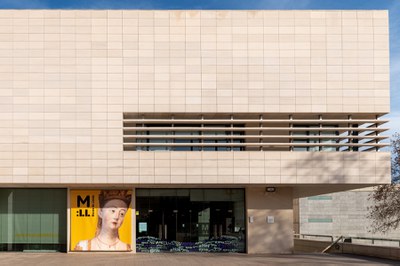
<point>100,220</point>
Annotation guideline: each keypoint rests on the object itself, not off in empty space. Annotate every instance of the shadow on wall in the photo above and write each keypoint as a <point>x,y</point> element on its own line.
<point>272,228</point>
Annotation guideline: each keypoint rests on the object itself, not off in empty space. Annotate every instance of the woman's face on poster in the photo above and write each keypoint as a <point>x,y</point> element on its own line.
<point>113,214</point>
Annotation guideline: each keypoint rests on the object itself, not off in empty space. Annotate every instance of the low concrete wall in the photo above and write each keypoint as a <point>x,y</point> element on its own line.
<point>311,246</point>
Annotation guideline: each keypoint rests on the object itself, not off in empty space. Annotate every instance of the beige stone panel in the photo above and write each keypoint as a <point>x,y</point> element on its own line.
<point>382,160</point>
<point>381,30</point>
<point>211,179</point>
<point>69,179</point>
<point>241,179</point>
<point>380,14</point>
<point>36,179</point>
<point>49,179</point>
<point>20,179</point>
<point>161,171</point>
<point>335,178</point>
<point>245,163</point>
<point>8,171</point>
<point>259,207</point>
<point>162,179</point>
<point>257,179</point>
<point>273,179</point>
<point>256,167</point>
<point>83,179</point>
<point>131,179</point>
<point>179,169</point>
<point>382,175</point>
<point>367,179</point>
<point>272,171</point>
<point>348,163</point>
<point>193,179</point>
<point>208,171</point>
<point>115,171</point>
<point>364,108</point>
<point>32,171</point>
<point>131,172</point>
<point>275,155</point>
<point>381,61</point>
<point>225,170</point>
<point>288,179</point>
<point>225,179</point>
<point>99,171</point>
<point>144,179</point>
<point>332,168</point>
<point>351,172</point>
<point>307,172</point>
<point>351,179</point>
<point>20,171</point>
<point>178,179</point>
<point>162,163</point>
<point>290,171</point>
<point>306,179</point>
<point>64,171</point>
<point>99,179</point>
<point>194,171</point>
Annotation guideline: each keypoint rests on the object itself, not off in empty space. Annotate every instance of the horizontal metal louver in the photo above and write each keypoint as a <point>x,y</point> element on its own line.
<point>253,132</point>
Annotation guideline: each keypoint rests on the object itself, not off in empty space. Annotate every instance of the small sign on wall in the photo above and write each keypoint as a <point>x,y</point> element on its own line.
<point>251,219</point>
<point>270,219</point>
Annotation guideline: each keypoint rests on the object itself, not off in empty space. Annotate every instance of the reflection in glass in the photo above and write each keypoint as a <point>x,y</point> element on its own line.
<point>190,220</point>
<point>33,219</point>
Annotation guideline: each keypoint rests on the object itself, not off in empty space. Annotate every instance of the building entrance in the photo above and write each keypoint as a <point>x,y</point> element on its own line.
<point>190,220</point>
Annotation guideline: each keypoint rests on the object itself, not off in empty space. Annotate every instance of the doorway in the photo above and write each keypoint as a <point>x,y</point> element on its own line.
<point>190,220</point>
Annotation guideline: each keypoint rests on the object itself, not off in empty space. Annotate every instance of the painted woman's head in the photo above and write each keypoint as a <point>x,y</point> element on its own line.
<point>114,205</point>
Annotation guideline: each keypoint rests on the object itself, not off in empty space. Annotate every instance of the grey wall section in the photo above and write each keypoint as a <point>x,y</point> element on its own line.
<point>342,213</point>
<point>264,237</point>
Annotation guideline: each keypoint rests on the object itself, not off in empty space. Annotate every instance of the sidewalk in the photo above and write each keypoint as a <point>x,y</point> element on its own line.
<point>165,259</point>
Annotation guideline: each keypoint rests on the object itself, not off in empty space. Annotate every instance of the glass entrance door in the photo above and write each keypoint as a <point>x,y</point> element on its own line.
<point>190,220</point>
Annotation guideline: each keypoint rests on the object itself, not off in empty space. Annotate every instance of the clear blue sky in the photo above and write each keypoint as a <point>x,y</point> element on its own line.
<point>392,5</point>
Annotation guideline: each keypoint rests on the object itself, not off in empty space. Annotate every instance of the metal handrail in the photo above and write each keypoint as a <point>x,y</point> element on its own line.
<point>373,239</point>
<point>332,244</point>
<point>311,235</point>
<point>343,238</point>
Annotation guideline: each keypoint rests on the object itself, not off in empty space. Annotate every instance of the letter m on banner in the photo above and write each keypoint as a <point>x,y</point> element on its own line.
<point>83,201</point>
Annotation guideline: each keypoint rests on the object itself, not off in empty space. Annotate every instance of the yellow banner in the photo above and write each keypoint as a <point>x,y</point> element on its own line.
<point>101,220</point>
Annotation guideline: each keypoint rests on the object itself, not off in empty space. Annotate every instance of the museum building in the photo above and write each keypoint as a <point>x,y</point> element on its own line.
<point>184,131</point>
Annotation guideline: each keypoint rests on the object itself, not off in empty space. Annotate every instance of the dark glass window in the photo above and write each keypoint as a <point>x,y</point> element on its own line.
<point>33,219</point>
<point>183,137</point>
<point>312,137</point>
<point>190,220</point>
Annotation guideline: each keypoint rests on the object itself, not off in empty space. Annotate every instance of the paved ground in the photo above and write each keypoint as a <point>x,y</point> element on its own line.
<point>80,259</point>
